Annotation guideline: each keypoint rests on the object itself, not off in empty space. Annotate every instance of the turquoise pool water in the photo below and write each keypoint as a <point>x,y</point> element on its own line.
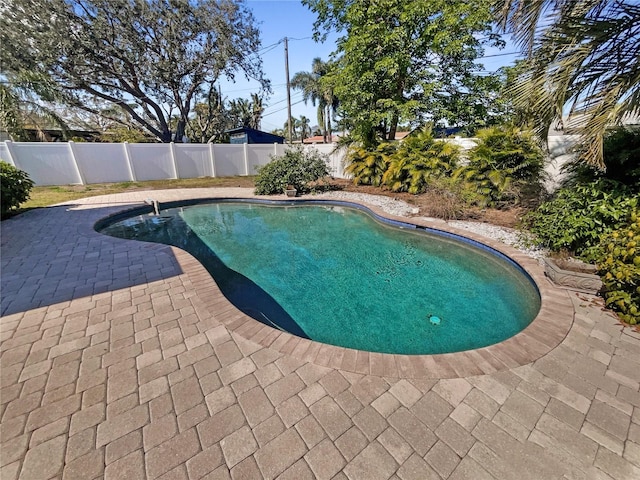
<point>338,276</point>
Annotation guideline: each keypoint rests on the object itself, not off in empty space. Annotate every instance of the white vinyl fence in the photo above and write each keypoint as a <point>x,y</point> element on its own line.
<point>68,163</point>
<point>84,163</point>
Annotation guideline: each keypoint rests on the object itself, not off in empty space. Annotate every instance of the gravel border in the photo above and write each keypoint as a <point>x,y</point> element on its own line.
<point>508,236</point>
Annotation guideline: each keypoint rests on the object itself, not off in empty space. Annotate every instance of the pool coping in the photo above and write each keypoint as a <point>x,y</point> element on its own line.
<point>542,335</point>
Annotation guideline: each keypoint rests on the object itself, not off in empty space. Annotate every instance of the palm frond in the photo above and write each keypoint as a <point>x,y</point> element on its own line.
<point>582,55</point>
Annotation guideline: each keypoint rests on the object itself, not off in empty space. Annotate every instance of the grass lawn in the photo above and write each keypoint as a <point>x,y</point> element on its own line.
<point>45,196</point>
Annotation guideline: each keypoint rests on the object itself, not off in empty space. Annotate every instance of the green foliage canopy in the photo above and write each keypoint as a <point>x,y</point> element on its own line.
<point>151,58</point>
<point>398,60</point>
<point>577,217</point>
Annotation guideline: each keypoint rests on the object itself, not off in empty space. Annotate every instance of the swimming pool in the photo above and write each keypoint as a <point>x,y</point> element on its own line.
<point>337,275</point>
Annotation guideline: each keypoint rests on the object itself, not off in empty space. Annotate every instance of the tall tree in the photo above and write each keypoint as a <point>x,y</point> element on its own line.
<point>400,60</point>
<point>305,127</point>
<point>257,109</point>
<point>583,58</point>
<point>246,113</point>
<point>151,58</point>
<point>210,119</point>
<point>317,88</point>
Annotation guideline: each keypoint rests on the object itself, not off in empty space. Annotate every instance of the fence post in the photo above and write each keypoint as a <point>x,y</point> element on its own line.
<point>12,155</point>
<point>246,158</point>
<point>275,149</point>
<point>212,159</point>
<point>172,151</point>
<point>127,156</point>
<point>71,144</point>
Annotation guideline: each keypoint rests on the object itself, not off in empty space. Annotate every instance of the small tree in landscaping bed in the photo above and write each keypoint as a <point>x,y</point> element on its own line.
<point>296,168</point>
<point>15,186</point>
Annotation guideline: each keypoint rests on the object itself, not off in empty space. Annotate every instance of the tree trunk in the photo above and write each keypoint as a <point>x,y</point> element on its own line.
<point>329,134</point>
<point>165,137</point>
<point>180,130</point>
<point>393,127</point>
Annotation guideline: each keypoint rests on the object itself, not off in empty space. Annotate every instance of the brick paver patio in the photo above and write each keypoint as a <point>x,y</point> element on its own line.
<point>119,359</point>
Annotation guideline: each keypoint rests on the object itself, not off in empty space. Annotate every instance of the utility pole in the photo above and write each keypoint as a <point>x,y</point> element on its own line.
<point>286,68</point>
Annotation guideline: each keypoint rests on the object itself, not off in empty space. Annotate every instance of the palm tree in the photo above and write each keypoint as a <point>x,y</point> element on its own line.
<point>316,87</point>
<point>305,127</point>
<point>241,112</point>
<point>295,123</point>
<point>582,56</point>
<point>256,111</point>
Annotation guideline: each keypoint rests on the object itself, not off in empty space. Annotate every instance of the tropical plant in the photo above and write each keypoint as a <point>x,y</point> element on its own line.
<point>583,56</point>
<point>15,187</point>
<point>618,259</point>
<point>305,127</point>
<point>506,160</point>
<point>298,167</point>
<point>621,154</point>
<point>367,166</point>
<point>577,217</point>
<point>418,160</point>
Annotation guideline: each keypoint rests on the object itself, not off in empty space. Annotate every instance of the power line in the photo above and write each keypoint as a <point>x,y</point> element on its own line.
<point>499,55</point>
<point>280,110</point>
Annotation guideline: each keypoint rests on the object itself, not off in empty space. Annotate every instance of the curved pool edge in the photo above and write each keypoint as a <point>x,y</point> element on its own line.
<point>547,330</point>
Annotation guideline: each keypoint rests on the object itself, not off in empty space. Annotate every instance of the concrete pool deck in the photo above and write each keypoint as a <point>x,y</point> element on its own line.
<point>119,359</point>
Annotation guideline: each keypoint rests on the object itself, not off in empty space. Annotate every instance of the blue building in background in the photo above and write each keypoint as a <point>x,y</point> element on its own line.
<point>249,135</point>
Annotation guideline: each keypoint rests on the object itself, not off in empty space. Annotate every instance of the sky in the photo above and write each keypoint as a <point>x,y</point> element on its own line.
<point>289,18</point>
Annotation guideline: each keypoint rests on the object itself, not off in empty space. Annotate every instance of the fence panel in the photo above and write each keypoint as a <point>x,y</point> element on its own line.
<point>192,160</point>
<point>151,161</point>
<point>46,163</point>
<point>258,155</point>
<point>336,167</point>
<point>280,149</point>
<point>229,160</point>
<point>4,154</point>
<point>102,162</point>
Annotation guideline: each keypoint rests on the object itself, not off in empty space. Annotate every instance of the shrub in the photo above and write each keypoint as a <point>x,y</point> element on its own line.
<point>618,258</point>
<point>577,217</point>
<point>446,199</point>
<point>15,186</point>
<point>368,166</point>
<point>297,167</point>
<point>418,160</point>
<point>621,151</point>
<point>505,161</point>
